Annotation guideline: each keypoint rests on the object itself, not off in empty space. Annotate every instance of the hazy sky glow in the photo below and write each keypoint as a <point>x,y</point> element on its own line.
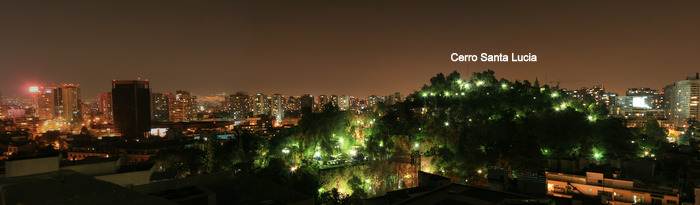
<point>332,47</point>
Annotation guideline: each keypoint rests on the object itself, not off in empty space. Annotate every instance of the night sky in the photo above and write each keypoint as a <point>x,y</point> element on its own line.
<point>355,48</point>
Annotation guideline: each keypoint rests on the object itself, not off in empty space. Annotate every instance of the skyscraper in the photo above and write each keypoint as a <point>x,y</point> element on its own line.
<point>260,104</point>
<point>307,102</point>
<point>277,107</point>
<point>182,107</point>
<point>322,101</point>
<point>682,98</point>
<point>239,105</point>
<point>131,107</point>
<point>105,106</point>
<point>67,102</point>
<point>344,102</point>
<point>42,102</point>
<point>159,107</point>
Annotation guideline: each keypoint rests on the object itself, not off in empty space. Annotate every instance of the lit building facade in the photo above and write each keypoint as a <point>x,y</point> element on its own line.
<point>292,103</point>
<point>610,190</point>
<point>182,107</point>
<point>344,102</point>
<point>260,104</point>
<point>322,101</point>
<point>42,102</point>
<point>238,105</point>
<point>682,100</point>
<point>67,102</point>
<point>105,106</point>
<point>277,105</point>
<point>159,107</point>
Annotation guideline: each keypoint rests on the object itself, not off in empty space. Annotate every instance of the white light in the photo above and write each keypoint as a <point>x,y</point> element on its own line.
<point>416,145</point>
<point>285,150</point>
<point>33,89</point>
<point>447,124</point>
<point>340,140</point>
<point>353,152</point>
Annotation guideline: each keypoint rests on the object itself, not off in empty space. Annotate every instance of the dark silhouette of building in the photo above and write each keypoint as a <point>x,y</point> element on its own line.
<point>307,102</point>
<point>131,101</point>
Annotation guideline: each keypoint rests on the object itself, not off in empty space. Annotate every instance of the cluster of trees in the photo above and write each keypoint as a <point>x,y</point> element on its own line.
<point>466,125</point>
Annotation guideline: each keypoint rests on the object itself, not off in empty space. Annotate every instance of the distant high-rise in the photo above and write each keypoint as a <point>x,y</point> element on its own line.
<point>159,107</point>
<point>373,100</point>
<point>292,103</point>
<point>597,93</point>
<point>238,105</point>
<point>682,100</point>
<point>344,102</point>
<point>67,102</point>
<point>182,107</point>
<point>333,99</point>
<point>131,107</point>
<point>105,106</point>
<point>277,107</point>
<point>42,102</point>
<point>307,102</point>
<point>393,98</point>
<point>322,101</point>
<point>260,104</point>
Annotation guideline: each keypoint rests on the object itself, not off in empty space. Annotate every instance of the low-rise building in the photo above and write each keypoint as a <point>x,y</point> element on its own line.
<point>609,190</point>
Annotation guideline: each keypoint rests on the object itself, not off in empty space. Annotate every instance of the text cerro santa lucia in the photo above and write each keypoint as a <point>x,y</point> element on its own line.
<point>485,57</point>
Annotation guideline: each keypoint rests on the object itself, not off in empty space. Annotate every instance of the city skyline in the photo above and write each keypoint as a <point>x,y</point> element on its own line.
<point>341,48</point>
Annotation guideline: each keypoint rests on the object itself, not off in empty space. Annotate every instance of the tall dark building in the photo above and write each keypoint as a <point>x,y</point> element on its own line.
<point>131,101</point>
<point>307,102</point>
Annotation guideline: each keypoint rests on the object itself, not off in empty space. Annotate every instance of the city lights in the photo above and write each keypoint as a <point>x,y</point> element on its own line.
<point>246,96</point>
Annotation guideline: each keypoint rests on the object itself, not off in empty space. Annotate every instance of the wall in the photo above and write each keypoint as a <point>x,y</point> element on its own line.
<point>31,166</point>
<point>94,169</point>
<point>128,179</point>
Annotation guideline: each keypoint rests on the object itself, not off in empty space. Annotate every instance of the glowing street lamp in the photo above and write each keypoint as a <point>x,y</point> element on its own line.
<point>591,118</point>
